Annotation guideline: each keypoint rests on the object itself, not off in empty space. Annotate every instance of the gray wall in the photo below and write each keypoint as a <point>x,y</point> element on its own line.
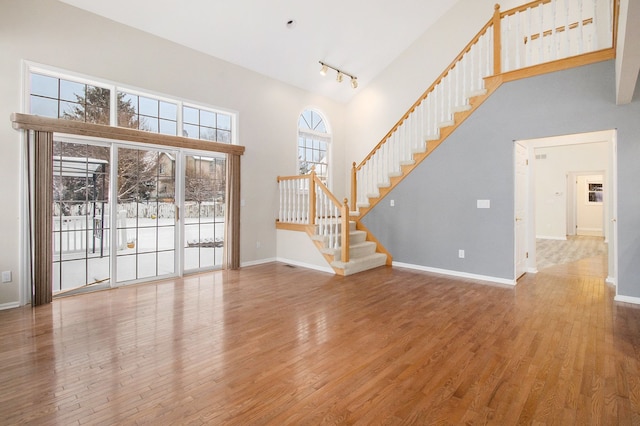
<point>435,212</point>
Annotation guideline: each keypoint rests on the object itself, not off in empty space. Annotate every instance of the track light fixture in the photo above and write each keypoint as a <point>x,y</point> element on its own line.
<point>340,74</point>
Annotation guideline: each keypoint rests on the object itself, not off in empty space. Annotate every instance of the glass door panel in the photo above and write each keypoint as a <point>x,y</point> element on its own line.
<point>80,215</point>
<point>146,223</point>
<point>204,211</point>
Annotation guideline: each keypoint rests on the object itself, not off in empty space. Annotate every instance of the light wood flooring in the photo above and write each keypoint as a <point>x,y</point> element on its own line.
<point>575,247</point>
<point>274,344</point>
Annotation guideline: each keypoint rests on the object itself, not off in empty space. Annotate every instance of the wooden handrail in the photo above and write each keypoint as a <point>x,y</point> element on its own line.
<point>328,193</point>
<point>451,66</point>
<point>281,178</point>
<point>524,7</point>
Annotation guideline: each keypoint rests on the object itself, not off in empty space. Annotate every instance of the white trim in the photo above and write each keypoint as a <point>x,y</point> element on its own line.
<point>258,262</point>
<point>10,305</point>
<point>611,280</point>
<point>591,232</point>
<point>627,299</point>
<point>456,273</point>
<point>306,265</point>
<point>114,86</point>
<point>546,237</point>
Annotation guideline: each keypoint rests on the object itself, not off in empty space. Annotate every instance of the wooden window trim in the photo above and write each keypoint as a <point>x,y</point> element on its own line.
<point>59,125</point>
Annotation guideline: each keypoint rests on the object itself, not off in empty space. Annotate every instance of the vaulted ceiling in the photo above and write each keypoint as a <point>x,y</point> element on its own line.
<point>285,39</point>
<point>360,37</point>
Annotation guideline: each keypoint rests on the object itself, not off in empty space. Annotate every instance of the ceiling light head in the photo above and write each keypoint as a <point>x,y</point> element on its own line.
<point>324,69</point>
<point>339,77</point>
<point>354,82</point>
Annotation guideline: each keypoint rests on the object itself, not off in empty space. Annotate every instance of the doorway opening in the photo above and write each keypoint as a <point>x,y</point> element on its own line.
<point>571,200</point>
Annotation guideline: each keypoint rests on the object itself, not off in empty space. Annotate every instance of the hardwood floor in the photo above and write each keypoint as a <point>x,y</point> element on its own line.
<point>277,345</point>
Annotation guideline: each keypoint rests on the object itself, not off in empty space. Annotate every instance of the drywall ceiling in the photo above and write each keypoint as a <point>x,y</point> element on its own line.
<point>357,36</point>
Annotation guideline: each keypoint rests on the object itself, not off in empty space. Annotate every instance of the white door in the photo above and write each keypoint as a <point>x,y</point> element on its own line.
<point>520,208</point>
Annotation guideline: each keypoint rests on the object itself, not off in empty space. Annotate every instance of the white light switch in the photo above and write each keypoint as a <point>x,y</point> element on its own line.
<point>484,204</point>
<point>392,203</point>
<point>6,276</point>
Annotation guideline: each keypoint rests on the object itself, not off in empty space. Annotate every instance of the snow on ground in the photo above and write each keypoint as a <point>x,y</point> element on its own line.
<point>152,254</point>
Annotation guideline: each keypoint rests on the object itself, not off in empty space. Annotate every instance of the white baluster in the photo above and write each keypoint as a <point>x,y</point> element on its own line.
<point>567,39</point>
<point>554,36</point>
<point>440,106</point>
<point>506,31</point>
<point>540,35</point>
<point>580,29</point>
<point>518,39</point>
<point>280,201</point>
<point>594,26</point>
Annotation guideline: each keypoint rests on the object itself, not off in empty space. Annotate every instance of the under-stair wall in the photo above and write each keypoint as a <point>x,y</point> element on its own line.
<point>435,210</point>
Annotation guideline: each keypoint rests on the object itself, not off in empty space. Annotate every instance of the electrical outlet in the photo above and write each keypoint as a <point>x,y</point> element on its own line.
<point>461,254</point>
<point>6,276</point>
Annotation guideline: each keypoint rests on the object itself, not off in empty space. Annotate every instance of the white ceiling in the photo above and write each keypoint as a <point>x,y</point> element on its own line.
<point>359,37</point>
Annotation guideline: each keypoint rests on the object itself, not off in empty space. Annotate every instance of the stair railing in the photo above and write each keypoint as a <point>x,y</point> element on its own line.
<point>306,200</point>
<point>532,34</point>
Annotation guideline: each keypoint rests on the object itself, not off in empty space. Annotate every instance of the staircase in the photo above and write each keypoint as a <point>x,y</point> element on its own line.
<point>362,253</point>
<point>539,37</point>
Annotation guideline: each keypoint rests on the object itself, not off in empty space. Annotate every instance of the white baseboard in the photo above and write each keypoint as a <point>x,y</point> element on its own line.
<point>9,305</point>
<point>258,262</point>
<point>610,280</point>
<point>306,265</point>
<point>455,273</point>
<point>532,270</point>
<point>590,232</point>
<point>627,299</point>
<point>547,237</point>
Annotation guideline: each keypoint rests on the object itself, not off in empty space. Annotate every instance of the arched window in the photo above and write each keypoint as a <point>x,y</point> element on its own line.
<point>313,144</point>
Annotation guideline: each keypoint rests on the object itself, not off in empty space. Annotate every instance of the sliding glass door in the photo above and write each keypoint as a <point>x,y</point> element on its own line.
<point>204,211</point>
<point>168,218</point>
<point>146,214</point>
<point>81,231</point>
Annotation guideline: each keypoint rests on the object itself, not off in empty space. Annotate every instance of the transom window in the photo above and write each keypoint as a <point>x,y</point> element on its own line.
<point>72,100</point>
<point>204,124</point>
<point>313,144</point>
<point>61,96</point>
<point>144,113</point>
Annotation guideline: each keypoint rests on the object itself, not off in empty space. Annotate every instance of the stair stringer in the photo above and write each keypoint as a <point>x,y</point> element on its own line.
<point>491,85</point>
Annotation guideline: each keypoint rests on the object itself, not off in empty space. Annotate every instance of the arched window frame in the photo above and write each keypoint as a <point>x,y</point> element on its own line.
<point>312,137</point>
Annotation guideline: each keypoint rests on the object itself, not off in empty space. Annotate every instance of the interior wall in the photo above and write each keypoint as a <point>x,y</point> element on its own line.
<point>552,166</point>
<point>435,211</point>
<point>55,34</point>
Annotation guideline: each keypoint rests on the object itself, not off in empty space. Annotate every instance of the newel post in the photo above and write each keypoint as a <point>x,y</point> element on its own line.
<point>312,196</point>
<point>497,43</point>
<point>354,187</point>
<point>344,243</point>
